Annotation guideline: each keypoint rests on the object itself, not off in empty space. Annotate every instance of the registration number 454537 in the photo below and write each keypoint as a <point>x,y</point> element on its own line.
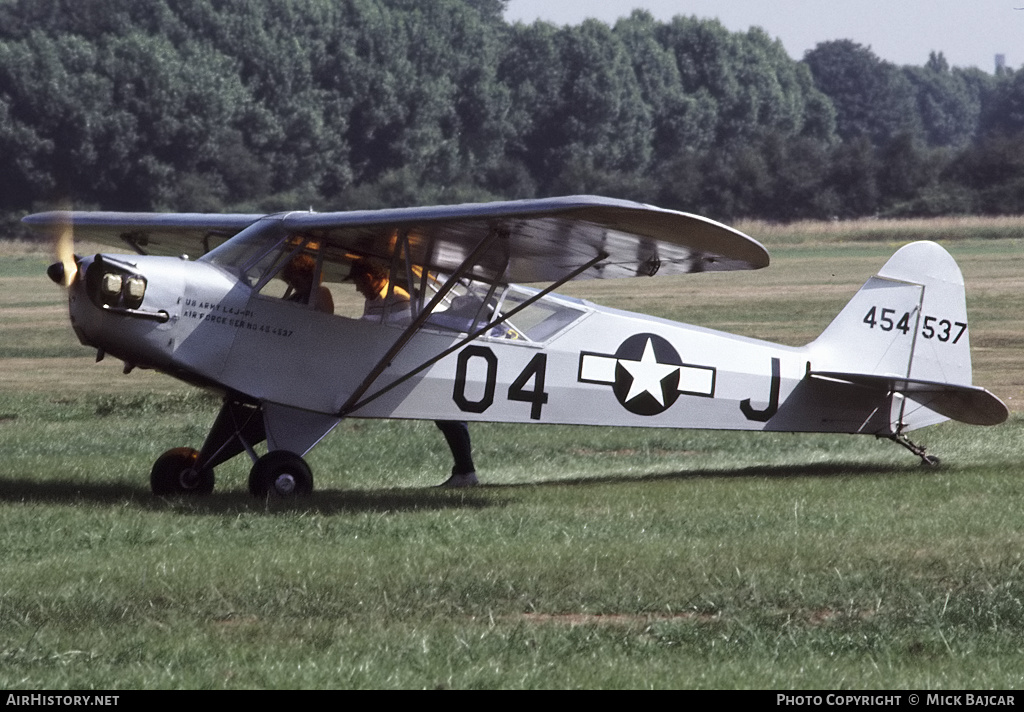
<point>932,327</point>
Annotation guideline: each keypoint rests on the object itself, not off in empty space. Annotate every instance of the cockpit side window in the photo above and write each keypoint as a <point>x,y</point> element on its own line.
<point>465,308</point>
<point>310,270</point>
<point>295,274</point>
<point>471,306</point>
<point>540,320</point>
<point>284,268</point>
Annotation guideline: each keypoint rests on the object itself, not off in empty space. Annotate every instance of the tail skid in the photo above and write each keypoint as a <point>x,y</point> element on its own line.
<point>919,450</point>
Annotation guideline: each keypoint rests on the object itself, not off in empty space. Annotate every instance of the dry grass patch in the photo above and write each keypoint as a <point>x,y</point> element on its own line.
<point>73,376</point>
<point>809,232</point>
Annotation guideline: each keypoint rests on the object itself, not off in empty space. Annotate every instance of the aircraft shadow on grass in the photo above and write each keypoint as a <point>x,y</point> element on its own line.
<point>811,470</point>
<point>323,502</point>
<point>411,499</point>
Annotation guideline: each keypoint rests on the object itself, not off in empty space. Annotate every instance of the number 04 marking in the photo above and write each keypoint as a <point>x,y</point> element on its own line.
<point>535,371</point>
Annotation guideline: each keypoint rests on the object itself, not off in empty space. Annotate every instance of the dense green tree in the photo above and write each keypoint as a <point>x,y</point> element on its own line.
<point>1004,105</point>
<point>679,120</point>
<point>425,110</point>
<point>852,177</point>
<point>267,104</point>
<point>872,98</point>
<point>294,125</point>
<point>89,19</point>
<point>948,104</point>
<point>758,110</point>
<point>992,172</point>
<point>580,114</point>
<point>127,121</point>
<point>908,167</point>
<point>752,83</point>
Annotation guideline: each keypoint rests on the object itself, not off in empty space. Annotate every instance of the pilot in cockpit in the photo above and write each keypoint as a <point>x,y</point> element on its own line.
<point>299,275</point>
<point>373,281</point>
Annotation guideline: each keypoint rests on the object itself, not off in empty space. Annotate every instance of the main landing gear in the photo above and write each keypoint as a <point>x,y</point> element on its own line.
<point>238,428</point>
<point>175,472</point>
<point>282,474</point>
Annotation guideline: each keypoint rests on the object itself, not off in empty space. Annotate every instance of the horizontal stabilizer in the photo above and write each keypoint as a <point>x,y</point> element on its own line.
<point>968,404</point>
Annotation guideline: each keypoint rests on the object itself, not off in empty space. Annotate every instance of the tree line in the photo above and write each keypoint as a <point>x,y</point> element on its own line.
<point>214,105</point>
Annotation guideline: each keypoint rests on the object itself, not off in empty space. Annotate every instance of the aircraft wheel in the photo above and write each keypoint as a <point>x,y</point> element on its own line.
<point>930,461</point>
<point>175,472</point>
<point>280,473</point>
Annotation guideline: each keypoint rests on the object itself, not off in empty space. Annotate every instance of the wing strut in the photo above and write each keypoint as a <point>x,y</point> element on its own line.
<point>424,314</point>
<point>351,405</point>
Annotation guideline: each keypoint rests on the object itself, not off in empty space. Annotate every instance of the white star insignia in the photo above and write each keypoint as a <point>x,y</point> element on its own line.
<point>647,374</point>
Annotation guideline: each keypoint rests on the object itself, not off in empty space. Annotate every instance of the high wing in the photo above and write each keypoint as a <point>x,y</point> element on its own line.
<point>516,241</point>
<point>543,240</point>
<point>166,234</point>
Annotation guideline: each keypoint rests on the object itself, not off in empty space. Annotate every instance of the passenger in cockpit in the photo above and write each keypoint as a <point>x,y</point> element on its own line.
<point>299,275</point>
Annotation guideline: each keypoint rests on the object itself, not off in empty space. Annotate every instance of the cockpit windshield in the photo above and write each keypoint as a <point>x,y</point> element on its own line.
<point>249,253</point>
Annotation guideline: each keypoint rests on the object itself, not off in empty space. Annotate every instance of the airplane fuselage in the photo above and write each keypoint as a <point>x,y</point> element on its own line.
<point>587,365</point>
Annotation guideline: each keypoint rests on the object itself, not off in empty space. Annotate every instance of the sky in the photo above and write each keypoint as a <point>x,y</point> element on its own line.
<point>968,32</point>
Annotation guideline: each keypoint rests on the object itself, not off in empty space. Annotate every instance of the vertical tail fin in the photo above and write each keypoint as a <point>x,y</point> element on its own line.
<point>909,322</point>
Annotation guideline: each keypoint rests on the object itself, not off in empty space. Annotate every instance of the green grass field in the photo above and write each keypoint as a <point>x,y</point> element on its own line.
<point>593,557</point>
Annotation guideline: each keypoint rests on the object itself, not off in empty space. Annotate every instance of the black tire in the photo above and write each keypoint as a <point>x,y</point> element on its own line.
<point>175,473</point>
<point>282,474</point>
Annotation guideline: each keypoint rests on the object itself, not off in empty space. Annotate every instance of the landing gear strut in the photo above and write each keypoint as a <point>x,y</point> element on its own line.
<point>919,450</point>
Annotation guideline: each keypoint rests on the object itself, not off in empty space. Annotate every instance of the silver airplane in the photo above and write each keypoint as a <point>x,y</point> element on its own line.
<point>265,317</point>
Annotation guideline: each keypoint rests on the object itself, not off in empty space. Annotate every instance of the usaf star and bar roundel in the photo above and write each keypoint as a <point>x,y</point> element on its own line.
<point>646,374</point>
